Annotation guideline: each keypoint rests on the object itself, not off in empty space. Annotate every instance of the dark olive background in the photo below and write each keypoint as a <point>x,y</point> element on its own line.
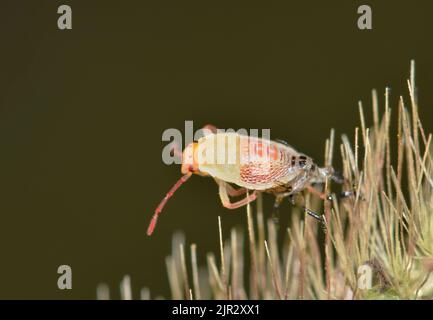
<point>82,113</point>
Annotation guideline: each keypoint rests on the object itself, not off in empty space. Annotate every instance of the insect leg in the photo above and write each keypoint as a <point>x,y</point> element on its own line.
<point>232,192</point>
<point>321,195</point>
<point>224,195</point>
<point>275,210</point>
<point>306,210</point>
<point>343,195</point>
<point>235,192</point>
<point>347,194</point>
<point>339,178</point>
<point>313,214</point>
<point>351,193</point>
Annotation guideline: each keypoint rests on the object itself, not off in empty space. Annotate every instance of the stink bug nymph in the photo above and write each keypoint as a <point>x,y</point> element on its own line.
<point>257,165</point>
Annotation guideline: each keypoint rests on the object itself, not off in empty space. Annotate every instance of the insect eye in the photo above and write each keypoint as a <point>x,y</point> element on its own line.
<point>302,163</point>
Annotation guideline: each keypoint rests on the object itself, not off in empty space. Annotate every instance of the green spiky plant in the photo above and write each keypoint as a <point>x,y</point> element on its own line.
<point>385,231</point>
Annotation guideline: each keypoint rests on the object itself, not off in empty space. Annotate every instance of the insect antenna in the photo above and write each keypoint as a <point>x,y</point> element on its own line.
<point>161,205</point>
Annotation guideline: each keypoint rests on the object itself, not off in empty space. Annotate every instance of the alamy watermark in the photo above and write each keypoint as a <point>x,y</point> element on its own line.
<point>218,146</point>
<point>64,282</point>
<point>64,22</point>
<point>365,277</point>
<point>364,21</point>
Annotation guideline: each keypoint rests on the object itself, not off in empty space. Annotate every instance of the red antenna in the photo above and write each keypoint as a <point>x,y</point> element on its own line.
<point>169,194</point>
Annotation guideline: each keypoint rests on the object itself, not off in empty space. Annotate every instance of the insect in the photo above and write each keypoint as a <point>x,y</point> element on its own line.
<point>251,163</point>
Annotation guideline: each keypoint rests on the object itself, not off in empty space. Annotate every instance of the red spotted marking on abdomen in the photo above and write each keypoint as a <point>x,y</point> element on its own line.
<point>256,150</point>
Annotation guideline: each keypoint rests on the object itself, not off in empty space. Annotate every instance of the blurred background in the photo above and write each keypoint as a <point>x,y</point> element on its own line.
<point>83,111</point>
